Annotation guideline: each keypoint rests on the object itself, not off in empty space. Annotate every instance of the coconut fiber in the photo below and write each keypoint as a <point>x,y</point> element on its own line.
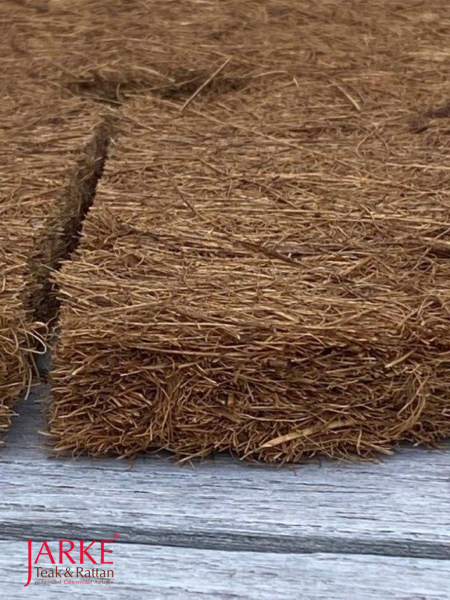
<point>265,268</point>
<point>43,144</point>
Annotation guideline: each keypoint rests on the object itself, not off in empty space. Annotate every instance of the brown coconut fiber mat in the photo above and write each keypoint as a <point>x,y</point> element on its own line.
<point>43,144</point>
<point>265,273</point>
<point>265,269</point>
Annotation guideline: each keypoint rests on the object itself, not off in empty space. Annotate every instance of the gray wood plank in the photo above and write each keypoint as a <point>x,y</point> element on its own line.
<point>399,507</point>
<point>174,573</point>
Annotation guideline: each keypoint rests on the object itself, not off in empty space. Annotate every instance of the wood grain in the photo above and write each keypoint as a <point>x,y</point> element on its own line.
<point>173,573</point>
<point>399,507</point>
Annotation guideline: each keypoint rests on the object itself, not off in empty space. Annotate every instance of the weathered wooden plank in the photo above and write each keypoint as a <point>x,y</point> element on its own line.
<point>399,507</point>
<point>175,573</point>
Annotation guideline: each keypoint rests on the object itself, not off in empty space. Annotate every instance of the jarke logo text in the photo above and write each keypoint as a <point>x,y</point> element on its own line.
<point>69,555</point>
